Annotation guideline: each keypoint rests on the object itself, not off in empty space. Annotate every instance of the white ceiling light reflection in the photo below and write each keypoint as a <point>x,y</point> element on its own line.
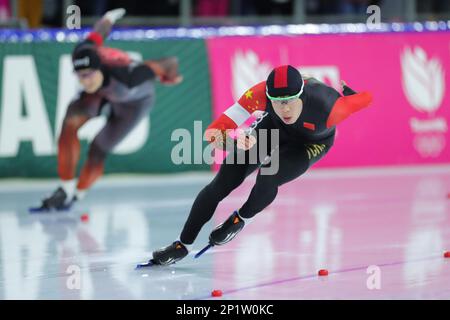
<point>428,215</point>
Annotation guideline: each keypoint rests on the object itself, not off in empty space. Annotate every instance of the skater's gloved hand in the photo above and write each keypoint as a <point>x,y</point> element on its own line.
<point>114,15</point>
<point>219,138</point>
<point>244,140</point>
<point>171,81</point>
<point>346,90</point>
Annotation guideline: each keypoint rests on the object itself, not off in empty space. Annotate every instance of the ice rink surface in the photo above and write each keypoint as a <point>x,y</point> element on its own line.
<point>380,233</point>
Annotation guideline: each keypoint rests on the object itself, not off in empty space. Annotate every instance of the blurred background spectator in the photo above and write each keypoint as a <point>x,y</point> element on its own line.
<point>34,13</point>
<point>31,11</point>
<point>212,8</point>
<point>5,10</point>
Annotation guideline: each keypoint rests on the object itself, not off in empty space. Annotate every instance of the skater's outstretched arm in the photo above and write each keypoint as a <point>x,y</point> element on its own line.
<point>102,28</point>
<point>100,32</point>
<point>350,103</point>
<point>166,70</point>
<point>133,75</point>
<point>254,99</point>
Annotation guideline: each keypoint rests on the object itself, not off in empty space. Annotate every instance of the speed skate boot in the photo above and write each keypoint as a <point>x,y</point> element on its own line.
<point>226,231</point>
<point>58,201</point>
<point>170,254</point>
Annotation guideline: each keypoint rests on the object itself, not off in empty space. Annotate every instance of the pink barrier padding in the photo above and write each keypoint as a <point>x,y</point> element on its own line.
<point>406,73</point>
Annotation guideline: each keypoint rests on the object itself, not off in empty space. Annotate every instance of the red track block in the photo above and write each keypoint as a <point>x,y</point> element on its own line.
<point>447,254</point>
<point>216,293</point>
<point>84,217</point>
<point>323,272</point>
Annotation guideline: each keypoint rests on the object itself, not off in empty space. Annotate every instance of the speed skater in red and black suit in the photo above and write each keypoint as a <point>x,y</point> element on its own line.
<point>303,112</point>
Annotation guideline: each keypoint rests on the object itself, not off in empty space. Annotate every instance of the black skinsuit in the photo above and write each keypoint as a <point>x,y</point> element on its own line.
<point>299,146</point>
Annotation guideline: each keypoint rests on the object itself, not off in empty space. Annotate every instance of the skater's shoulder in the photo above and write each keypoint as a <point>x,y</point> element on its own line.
<point>114,57</point>
<point>312,84</point>
<point>317,90</point>
<point>258,88</point>
<point>254,96</point>
<point>131,75</point>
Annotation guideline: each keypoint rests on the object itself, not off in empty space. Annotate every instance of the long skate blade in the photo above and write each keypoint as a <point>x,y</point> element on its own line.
<point>145,265</point>
<point>38,210</point>
<point>203,251</point>
<point>47,210</point>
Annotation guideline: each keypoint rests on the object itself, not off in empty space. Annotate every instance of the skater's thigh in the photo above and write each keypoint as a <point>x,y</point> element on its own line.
<point>232,173</point>
<point>122,120</point>
<point>239,164</point>
<point>289,162</point>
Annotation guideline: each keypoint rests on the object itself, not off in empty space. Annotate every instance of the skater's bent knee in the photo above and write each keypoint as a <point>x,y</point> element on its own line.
<point>266,189</point>
<point>73,122</point>
<point>217,190</point>
<point>96,153</point>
